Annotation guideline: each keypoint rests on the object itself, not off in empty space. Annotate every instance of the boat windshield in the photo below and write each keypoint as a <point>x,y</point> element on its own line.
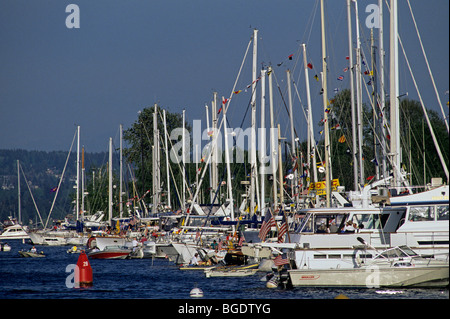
<point>397,252</point>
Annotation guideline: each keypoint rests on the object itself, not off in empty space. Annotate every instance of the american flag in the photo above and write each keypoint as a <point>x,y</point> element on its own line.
<point>241,240</point>
<point>283,229</point>
<point>268,223</point>
<point>281,260</point>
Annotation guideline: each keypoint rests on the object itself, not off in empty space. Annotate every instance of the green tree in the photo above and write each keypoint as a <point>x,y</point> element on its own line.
<point>139,152</point>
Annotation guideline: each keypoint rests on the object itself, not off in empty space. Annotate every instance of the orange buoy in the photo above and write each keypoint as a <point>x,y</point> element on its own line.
<point>83,271</point>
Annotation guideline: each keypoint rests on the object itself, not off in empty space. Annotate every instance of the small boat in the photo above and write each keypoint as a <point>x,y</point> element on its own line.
<point>73,250</point>
<point>110,252</point>
<point>200,267</point>
<point>395,267</point>
<point>31,254</point>
<point>5,247</point>
<point>232,271</point>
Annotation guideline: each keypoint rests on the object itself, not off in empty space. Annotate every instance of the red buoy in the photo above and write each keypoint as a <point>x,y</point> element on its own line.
<point>83,272</point>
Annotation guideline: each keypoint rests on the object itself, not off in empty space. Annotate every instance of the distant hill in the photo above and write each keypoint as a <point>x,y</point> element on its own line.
<point>42,171</point>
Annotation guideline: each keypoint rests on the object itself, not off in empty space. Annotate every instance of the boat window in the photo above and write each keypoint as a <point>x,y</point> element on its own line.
<point>421,213</point>
<point>442,212</point>
<point>369,221</point>
<point>304,223</point>
<point>334,256</point>
<point>320,256</point>
<point>408,251</point>
<point>393,253</point>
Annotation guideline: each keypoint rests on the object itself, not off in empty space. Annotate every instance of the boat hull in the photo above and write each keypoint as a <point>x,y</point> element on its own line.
<point>372,277</point>
<point>30,254</point>
<point>108,255</point>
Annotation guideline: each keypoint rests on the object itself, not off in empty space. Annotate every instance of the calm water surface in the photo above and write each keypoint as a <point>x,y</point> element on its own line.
<point>45,278</point>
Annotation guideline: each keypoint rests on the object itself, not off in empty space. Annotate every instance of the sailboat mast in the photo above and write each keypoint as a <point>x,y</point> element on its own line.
<point>273,144</point>
<point>215,157</point>
<point>227,159</point>
<point>110,183</point>
<point>18,194</point>
<point>382,90</point>
<point>121,171</point>
<point>359,108</point>
<point>78,172</point>
<point>167,160</point>
<point>394,93</point>
<point>294,191</point>
<point>253,130</point>
<point>82,180</point>
<point>352,96</point>
<point>262,137</point>
<point>183,157</point>
<point>325,106</point>
<point>311,140</point>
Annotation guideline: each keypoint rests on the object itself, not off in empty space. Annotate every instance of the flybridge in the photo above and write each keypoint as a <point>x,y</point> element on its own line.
<point>436,196</point>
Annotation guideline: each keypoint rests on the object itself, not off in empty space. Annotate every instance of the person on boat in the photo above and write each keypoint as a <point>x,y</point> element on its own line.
<point>214,245</point>
<point>333,227</point>
<point>349,228</point>
<point>33,250</point>
<point>194,260</point>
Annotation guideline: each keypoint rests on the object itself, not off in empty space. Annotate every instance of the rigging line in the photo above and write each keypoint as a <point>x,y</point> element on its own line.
<point>214,141</point>
<point>428,65</point>
<point>60,180</point>
<point>438,149</point>
<point>32,197</point>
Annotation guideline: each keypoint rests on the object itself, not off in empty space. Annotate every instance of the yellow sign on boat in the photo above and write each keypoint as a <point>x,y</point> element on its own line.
<point>320,188</point>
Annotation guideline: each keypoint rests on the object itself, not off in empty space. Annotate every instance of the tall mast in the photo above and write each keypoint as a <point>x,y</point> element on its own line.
<point>167,160</point>
<point>273,143</point>
<point>215,157</point>
<point>211,192</point>
<point>82,180</point>
<point>359,98</point>
<point>156,175</point>
<point>183,157</point>
<point>78,172</point>
<point>280,168</point>
<point>18,194</point>
<point>110,183</point>
<point>227,159</point>
<point>382,91</point>
<point>121,172</point>
<point>325,105</point>
<point>262,138</point>
<point>393,95</point>
<point>352,96</point>
<point>253,130</point>
<point>311,140</point>
<point>291,117</point>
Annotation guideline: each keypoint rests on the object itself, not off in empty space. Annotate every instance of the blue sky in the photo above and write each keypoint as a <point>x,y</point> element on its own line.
<point>127,55</point>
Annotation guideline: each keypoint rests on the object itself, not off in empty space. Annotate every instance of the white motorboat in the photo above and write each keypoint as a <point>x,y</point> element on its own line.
<point>317,239</point>
<point>394,267</point>
<point>47,238</point>
<point>14,232</point>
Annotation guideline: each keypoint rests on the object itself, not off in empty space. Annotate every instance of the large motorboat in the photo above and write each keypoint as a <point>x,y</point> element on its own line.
<point>394,267</point>
<point>323,238</point>
<point>14,232</point>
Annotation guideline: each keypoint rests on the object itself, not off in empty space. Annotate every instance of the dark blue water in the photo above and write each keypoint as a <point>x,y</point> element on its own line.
<point>45,278</point>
